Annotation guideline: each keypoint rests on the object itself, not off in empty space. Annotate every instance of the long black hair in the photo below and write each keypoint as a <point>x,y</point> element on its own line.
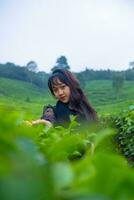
<point>78,100</point>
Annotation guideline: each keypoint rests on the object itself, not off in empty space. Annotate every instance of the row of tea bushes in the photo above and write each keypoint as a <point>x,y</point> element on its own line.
<point>124,123</point>
<point>60,164</point>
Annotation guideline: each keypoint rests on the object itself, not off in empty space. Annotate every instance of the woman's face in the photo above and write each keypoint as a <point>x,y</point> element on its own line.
<point>61,91</point>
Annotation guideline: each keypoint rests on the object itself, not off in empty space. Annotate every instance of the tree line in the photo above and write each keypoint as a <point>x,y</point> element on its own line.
<point>24,73</point>
<point>31,74</point>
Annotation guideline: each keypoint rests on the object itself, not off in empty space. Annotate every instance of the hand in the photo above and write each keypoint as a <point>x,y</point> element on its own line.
<point>28,123</point>
<point>42,121</point>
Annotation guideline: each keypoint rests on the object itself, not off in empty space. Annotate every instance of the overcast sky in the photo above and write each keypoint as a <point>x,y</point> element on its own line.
<point>97,34</point>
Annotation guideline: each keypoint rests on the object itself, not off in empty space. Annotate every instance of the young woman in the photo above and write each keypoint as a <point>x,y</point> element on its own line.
<point>71,100</point>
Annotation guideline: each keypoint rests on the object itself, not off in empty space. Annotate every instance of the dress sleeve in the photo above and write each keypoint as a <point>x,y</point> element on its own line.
<point>49,113</point>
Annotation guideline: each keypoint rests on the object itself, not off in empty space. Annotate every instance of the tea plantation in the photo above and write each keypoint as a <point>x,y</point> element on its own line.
<point>74,163</point>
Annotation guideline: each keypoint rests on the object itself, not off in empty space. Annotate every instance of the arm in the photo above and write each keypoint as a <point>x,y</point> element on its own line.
<point>39,121</point>
<point>48,117</point>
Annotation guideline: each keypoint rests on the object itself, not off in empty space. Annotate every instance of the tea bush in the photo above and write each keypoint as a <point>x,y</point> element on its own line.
<point>124,123</point>
<point>60,163</point>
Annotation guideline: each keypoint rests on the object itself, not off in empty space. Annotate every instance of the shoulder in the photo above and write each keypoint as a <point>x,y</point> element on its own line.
<point>61,109</point>
<point>60,105</point>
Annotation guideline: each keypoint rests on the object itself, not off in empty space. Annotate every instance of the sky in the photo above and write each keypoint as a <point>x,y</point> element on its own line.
<point>97,34</point>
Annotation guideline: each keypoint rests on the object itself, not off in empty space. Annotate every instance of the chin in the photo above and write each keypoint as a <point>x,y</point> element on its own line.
<point>64,101</point>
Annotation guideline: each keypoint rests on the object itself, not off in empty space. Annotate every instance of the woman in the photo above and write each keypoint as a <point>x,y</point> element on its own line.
<point>71,99</point>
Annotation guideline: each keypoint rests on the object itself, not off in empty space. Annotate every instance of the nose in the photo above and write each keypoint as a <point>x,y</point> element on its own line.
<point>60,92</point>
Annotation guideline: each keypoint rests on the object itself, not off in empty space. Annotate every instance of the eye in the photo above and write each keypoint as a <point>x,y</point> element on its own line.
<point>63,86</point>
<point>55,90</point>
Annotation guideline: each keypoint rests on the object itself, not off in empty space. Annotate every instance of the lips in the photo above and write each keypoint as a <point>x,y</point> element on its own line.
<point>62,98</point>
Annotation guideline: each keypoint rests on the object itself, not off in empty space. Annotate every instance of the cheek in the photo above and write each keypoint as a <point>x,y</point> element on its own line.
<point>55,94</point>
<point>69,92</point>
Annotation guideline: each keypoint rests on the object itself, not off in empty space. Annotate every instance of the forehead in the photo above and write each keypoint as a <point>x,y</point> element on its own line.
<point>56,82</point>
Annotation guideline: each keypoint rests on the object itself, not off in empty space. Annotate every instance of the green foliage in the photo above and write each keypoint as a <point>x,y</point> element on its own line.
<point>23,168</point>
<point>60,163</point>
<point>24,97</point>
<point>61,63</point>
<point>19,89</point>
<point>74,163</point>
<point>129,74</point>
<point>100,94</point>
<point>131,64</point>
<point>32,66</point>
<point>118,82</point>
<point>125,137</point>
<point>27,99</point>
<point>27,74</point>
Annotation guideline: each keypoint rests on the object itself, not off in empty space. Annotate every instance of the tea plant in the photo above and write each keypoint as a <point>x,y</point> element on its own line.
<point>60,163</point>
<point>124,123</point>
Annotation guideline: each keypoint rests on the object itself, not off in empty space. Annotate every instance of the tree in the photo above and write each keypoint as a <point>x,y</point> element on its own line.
<point>117,82</point>
<point>32,66</point>
<point>129,74</point>
<point>44,78</point>
<point>61,63</point>
<point>82,80</point>
<point>131,65</point>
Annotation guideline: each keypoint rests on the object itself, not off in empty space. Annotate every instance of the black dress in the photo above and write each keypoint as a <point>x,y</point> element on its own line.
<point>63,112</point>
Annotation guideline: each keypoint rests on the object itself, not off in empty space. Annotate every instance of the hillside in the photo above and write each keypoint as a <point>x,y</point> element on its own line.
<point>102,95</point>
<point>24,96</point>
<point>19,89</point>
<point>20,95</point>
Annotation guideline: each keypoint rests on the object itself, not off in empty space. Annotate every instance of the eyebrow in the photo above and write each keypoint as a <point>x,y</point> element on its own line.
<point>60,84</point>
